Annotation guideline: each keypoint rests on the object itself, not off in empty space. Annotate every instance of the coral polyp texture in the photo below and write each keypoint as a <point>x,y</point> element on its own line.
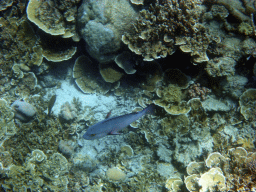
<point>167,25</point>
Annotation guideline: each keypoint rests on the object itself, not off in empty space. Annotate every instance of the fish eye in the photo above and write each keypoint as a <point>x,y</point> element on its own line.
<point>92,135</point>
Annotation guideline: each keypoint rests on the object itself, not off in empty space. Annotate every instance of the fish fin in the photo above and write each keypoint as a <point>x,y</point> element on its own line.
<point>114,133</point>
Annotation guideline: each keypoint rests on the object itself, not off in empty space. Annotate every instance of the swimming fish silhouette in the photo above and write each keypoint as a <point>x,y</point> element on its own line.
<point>112,125</point>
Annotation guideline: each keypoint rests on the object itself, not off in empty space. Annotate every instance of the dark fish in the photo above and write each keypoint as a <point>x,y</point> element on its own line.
<point>51,104</point>
<point>108,115</point>
<point>112,125</point>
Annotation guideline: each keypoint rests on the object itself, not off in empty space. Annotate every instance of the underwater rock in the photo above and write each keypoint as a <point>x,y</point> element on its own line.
<point>221,66</point>
<point>212,104</point>
<point>115,174</point>
<point>67,147</point>
<point>247,102</point>
<point>84,162</point>
<point>234,85</point>
<point>24,111</point>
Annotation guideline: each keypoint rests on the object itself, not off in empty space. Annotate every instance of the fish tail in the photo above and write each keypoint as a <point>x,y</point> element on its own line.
<point>150,109</point>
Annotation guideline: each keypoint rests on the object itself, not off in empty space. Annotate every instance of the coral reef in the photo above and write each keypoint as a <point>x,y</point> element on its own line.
<point>229,172</point>
<point>167,25</point>
<point>171,100</point>
<point>38,171</point>
<point>204,95</point>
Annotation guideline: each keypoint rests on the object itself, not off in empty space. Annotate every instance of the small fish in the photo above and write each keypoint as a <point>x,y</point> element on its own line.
<point>51,104</point>
<point>112,125</point>
<point>108,115</point>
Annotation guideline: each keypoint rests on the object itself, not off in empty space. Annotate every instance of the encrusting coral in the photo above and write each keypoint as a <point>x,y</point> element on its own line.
<point>247,103</point>
<point>7,126</point>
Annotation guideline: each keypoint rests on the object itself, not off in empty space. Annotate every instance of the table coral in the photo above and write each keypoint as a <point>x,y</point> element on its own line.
<point>5,4</point>
<point>167,25</point>
<point>86,76</point>
<point>110,73</point>
<point>52,17</point>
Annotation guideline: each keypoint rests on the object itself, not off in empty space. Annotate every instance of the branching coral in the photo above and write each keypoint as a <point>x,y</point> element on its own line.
<point>167,25</point>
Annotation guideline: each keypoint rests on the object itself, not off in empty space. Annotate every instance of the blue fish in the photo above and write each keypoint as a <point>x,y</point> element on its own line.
<point>112,125</point>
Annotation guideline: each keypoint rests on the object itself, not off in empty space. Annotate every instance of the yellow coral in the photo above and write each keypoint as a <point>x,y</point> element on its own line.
<point>245,28</point>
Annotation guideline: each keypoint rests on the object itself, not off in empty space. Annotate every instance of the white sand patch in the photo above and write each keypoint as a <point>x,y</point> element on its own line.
<point>99,104</point>
<point>68,92</point>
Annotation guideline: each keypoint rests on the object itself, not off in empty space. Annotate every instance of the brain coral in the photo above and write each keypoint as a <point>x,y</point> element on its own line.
<point>167,25</point>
